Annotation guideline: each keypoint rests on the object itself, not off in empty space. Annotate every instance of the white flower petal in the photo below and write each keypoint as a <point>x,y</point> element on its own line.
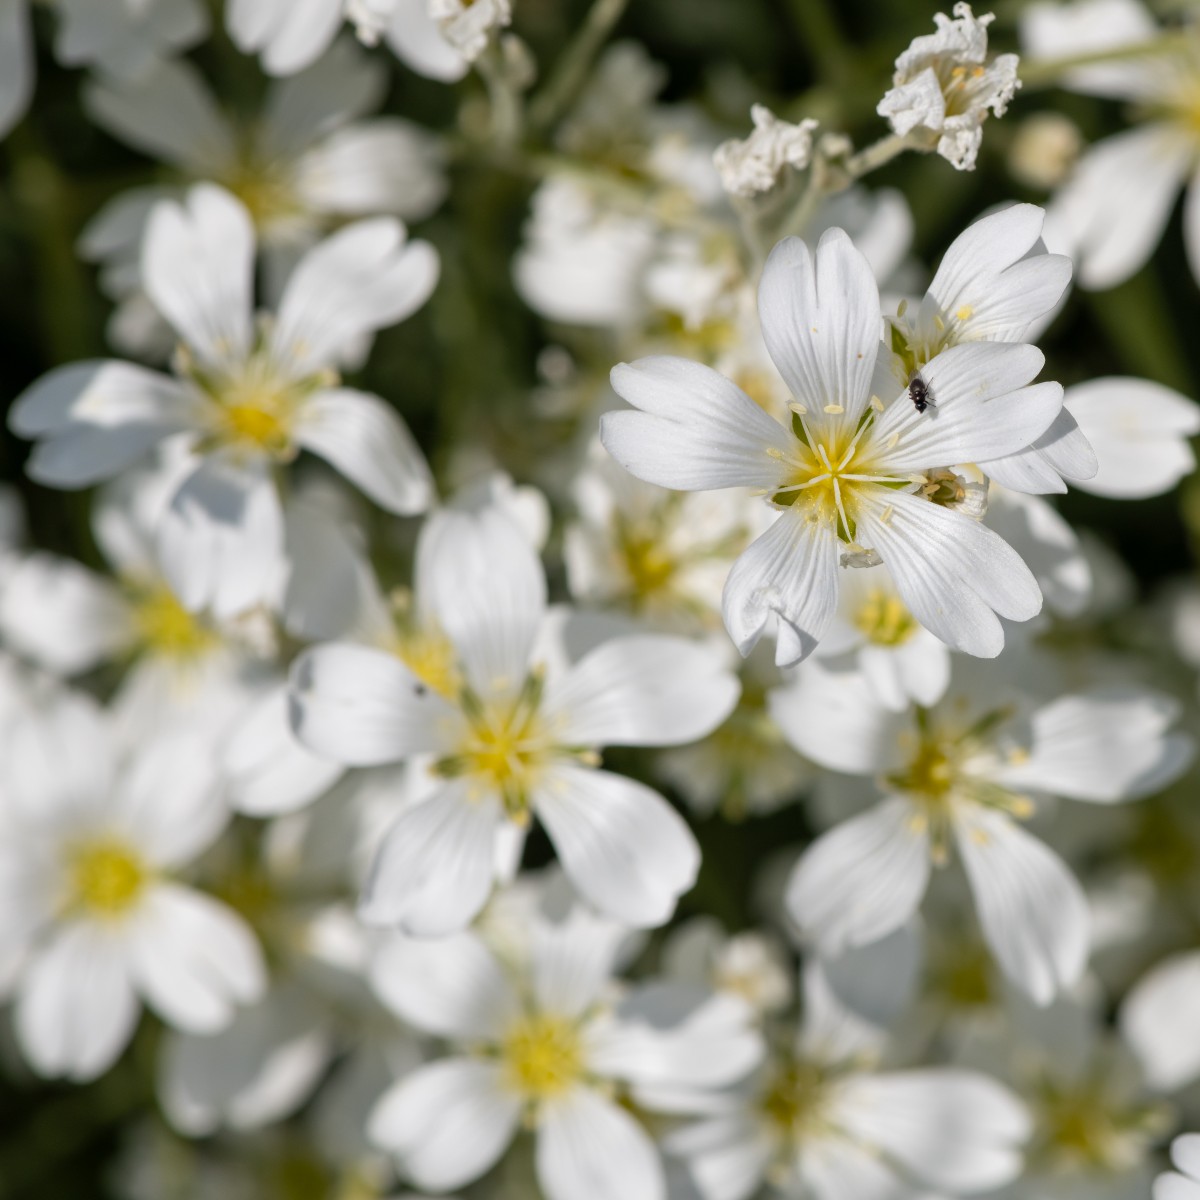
<point>574,959</point>
<point>434,870</point>
<point>267,769</point>
<point>1032,911</point>
<point>863,879</point>
<point>1185,1154</point>
<point>832,1167</point>
<point>193,959</point>
<point>198,270</point>
<point>362,278</point>
<point>447,1122</point>
<point>1112,211</point>
<point>417,40</point>
<point>957,1131</point>
<point>821,323</point>
<point>624,848</point>
<point>1170,1186</point>
<point>220,543</point>
<point>642,691</point>
<point>590,1149</point>
<point>953,573</point>
<point>76,1009</point>
<point>290,34</point>
<point>453,986</point>
<point>17,63</point>
<point>790,571</point>
<point>693,428</point>
<point>370,444</point>
<point>363,707</point>
<point>1161,1022</point>
<point>1139,430</point>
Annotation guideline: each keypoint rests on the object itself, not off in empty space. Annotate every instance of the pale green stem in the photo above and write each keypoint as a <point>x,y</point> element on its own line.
<point>508,111</point>
<point>573,65</point>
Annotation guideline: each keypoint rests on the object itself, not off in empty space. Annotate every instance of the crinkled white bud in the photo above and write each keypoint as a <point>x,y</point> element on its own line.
<point>750,165</point>
<point>468,24</point>
<point>944,83</point>
<point>370,18</point>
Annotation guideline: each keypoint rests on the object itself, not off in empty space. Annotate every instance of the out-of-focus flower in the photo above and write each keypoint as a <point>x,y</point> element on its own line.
<point>964,773</point>
<point>514,737</point>
<point>547,1043</point>
<point>1044,150</point>
<point>859,477</point>
<point>751,165</point>
<point>1183,1184</point>
<point>92,838</point>
<point>1111,212</point>
<point>945,84</point>
<point>246,399</point>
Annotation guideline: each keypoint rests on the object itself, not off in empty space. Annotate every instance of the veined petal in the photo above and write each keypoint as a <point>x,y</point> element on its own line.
<point>821,323</point>
<point>76,1009</point>
<point>588,1148</point>
<point>624,848</point>
<point>642,691</point>
<point>694,430</point>
<point>434,870</point>
<point>363,707</point>
<point>447,1122</point>
<point>863,879</point>
<point>1106,746</point>
<point>453,986</point>
<point>194,959</point>
<point>1062,452</point>
<point>198,270</point>
<point>953,573</point>
<point>1031,908</point>
<point>362,278</point>
<point>370,444</point>
<point>993,282</point>
<point>1113,209</point>
<point>982,409</point>
<point>573,960</point>
<point>790,571</point>
<point>957,1131</point>
<point>1139,430</point>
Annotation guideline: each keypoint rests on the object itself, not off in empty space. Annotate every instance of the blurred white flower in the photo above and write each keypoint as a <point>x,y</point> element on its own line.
<point>245,399</point>
<point>751,165</point>
<point>858,477</point>
<point>1184,1185</point>
<point>92,839</point>
<point>963,774</point>
<point>945,84</point>
<point>547,1044</point>
<point>513,737</point>
<point>751,965</point>
<point>1159,1021</point>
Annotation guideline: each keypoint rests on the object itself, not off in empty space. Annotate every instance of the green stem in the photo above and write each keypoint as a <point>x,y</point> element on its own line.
<point>574,63</point>
<point>818,30</point>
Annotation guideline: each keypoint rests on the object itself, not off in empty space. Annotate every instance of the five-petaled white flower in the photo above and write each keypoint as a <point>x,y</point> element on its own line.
<point>861,476</point>
<point>514,734</point>
<point>246,398</point>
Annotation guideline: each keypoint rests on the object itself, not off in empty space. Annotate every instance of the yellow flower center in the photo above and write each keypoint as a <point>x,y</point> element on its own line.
<point>106,878</point>
<point>164,627</point>
<point>883,620</point>
<point>649,568</point>
<point>542,1056</point>
<point>266,191</point>
<point>431,657</point>
<point>1089,1126</point>
<point>256,415</point>
<point>794,1099</point>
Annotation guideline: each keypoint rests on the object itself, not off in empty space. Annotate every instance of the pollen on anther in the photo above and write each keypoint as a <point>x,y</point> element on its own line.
<point>941,325</point>
<point>774,452</point>
<point>887,514</point>
<point>877,404</point>
<point>964,313</point>
<point>799,409</point>
<point>833,409</point>
<point>893,441</point>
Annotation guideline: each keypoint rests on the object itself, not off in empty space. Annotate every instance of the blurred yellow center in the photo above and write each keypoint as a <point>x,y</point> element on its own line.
<point>106,878</point>
<point>648,566</point>
<point>883,620</point>
<point>431,657</point>
<point>542,1056</point>
<point>793,1099</point>
<point>166,628</point>
<point>1088,1126</point>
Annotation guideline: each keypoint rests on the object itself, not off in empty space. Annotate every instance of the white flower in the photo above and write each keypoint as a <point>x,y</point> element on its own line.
<point>818,1121</point>
<point>468,25</point>
<point>246,399</point>
<point>750,965</point>
<point>1139,431</point>
<point>1112,211</point>
<point>754,164</point>
<point>858,477</point>
<point>1185,1155</point>
<point>964,773</point>
<point>1160,1022</point>
<point>91,841</point>
<point>944,83</point>
<point>513,736</point>
<point>547,1043</point>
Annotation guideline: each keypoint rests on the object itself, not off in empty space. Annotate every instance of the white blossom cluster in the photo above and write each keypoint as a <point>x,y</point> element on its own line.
<point>729,774</point>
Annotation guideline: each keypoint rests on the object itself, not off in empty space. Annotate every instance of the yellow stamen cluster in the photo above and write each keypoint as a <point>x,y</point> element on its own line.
<point>1090,1126</point>
<point>164,627</point>
<point>105,877</point>
<point>542,1056</point>
<point>883,619</point>
<point>794,1100</point>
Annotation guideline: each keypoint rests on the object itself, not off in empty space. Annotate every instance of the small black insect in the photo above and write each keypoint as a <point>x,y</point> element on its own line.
<point>918,393</point>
